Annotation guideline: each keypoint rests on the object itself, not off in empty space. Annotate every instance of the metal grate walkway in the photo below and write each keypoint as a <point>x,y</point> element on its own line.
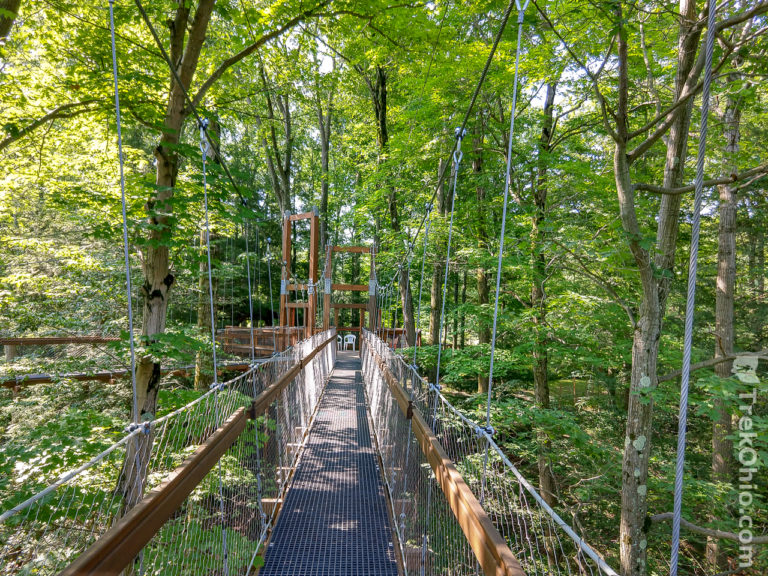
<point>334,521</point>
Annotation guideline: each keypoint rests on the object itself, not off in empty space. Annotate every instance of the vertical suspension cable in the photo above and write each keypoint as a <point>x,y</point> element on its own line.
<point>269,272</point>
<point>690,304</point>
<point>262,517</point>
<point>457,155</point>
<point>215,385</point>
<point>250,294</point>
<point>126,254</point>
<point>421,279</point>
<point>507,176</point>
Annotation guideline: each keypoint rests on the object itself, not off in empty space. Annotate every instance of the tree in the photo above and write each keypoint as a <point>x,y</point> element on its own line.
<point>9,9</point>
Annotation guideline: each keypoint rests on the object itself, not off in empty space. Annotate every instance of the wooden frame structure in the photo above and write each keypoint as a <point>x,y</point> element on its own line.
<point>330,287</point>
<point>288,308</point>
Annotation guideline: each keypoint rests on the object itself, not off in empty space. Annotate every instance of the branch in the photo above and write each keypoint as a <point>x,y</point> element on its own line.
<point>690,89</point>
<point>605,111</point>
<point>711,532</point>
<point>229,62</point>
<point>707,363</point>
<point>604,284</point>
<point>758,172</point>
<point>737,19</point>
<point>63,111</point>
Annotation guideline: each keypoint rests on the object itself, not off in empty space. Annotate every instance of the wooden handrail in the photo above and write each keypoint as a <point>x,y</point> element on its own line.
<point>118,547</point>
<point>492,552</point>
<point>104,376</point>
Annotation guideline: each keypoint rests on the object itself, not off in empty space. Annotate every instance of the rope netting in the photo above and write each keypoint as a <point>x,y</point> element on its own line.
<point>431,539</point>
<point>45,533</point>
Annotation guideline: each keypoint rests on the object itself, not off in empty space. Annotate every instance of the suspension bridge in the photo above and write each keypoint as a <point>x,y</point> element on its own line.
<point>314,460</point>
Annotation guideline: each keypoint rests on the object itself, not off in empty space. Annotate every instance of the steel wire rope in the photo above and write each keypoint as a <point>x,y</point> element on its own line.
<point>488,430</point>
<point>443,174</point>
<point>690,304</point>
<point>271,296</point>
<point>204,140</point>
<point>126,253</point>
<point>118,121</point>
<point>253,380</point>
<point>457,156</point>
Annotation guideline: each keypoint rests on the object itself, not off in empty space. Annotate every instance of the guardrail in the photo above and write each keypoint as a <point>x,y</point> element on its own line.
<point>524,525</point>
<point>212,477</point>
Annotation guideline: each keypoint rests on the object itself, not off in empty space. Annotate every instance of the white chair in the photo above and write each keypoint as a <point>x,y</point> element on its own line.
<point>339,342</point>
<point>350,339</point>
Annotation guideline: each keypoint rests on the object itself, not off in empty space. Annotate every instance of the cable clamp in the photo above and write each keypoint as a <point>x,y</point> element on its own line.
<point>218,386</point>
<point>327,285</point>
<point>435,387</point>
<point>487,431</point>
<point>458,154</point>
<point>145,427</point>
<point>310,288</point>
<point>283,287</point>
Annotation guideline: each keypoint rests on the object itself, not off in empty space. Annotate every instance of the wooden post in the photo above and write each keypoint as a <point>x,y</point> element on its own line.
<point>372,312</point>
<point>327,291</point>
<point>314,240</point>
<point>10,352</point>
<point>286,267</point>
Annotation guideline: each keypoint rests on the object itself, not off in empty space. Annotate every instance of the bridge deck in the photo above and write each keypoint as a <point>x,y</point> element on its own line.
<point>334,521</point>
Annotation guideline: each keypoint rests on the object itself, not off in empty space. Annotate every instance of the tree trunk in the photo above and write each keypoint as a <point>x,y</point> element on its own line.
<point>6,21</point>
<point>324,120</point>
<point>655,280</point>
<point>482,276</point>
<point>436,291</point>
<point>538,296</point>
<point>278,151</point>
<point>156,262</point>
<point>722,447</point>
<point>456,311</point>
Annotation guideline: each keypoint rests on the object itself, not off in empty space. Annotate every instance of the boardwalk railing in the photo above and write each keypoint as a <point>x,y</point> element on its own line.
<point>452,516</point>
<point>211,478</point>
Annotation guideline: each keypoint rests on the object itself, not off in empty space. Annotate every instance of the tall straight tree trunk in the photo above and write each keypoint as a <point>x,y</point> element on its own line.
<point>436,291</point>
<point>481,274</point>
<point>538,295</point>
<point>324,121</point>
<point>379,96</point>
<point>655,279</point>
<point>722,447</point>
<point>156,259</point>
<point>9,10</point>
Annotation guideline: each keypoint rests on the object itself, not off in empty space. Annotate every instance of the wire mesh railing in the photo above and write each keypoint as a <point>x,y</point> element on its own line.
<point>542,542</point>
<point>224,520</point>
